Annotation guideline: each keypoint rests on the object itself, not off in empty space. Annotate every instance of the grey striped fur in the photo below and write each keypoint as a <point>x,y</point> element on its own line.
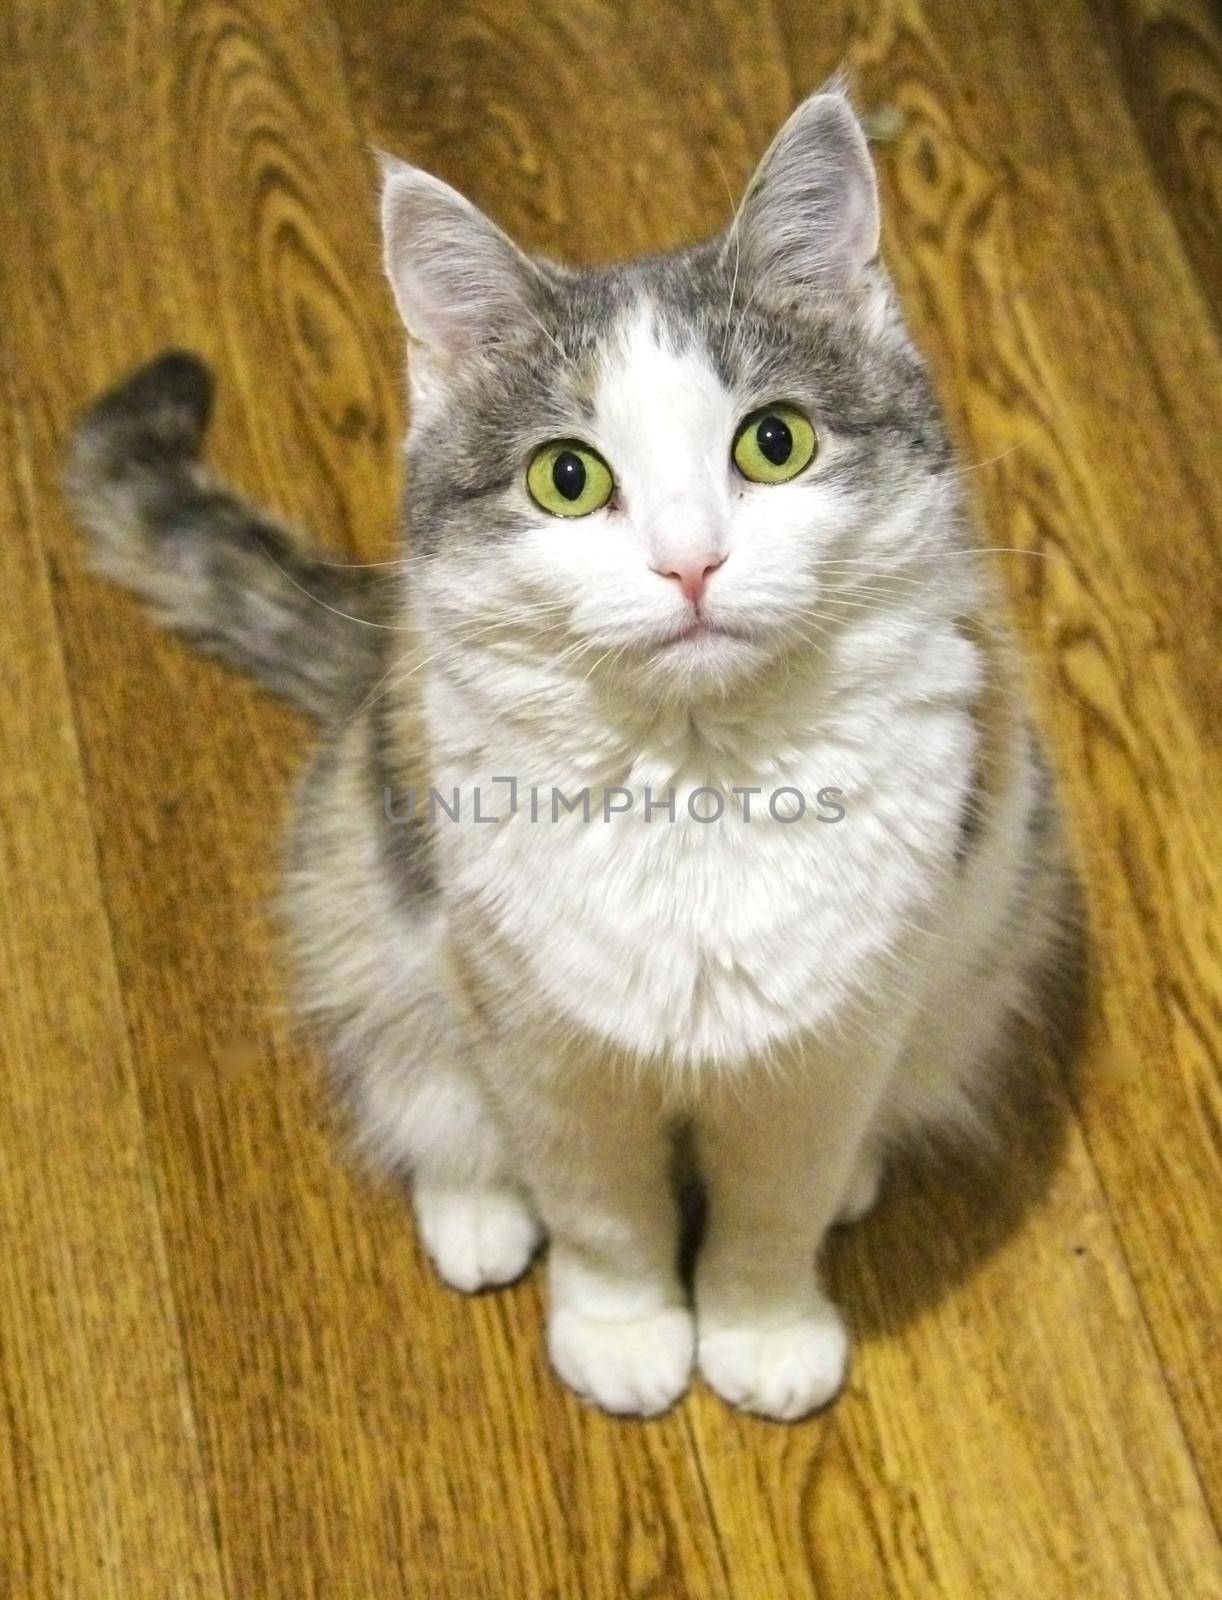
<point>207,565</point>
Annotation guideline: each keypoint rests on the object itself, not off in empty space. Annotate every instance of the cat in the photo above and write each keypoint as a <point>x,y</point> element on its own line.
<point>686,547</point>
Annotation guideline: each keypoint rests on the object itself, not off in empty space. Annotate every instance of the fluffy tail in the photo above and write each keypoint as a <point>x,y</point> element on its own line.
<point>206,564</point>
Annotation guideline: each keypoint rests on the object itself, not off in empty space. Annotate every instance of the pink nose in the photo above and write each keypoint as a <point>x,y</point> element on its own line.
<point>691,573</point>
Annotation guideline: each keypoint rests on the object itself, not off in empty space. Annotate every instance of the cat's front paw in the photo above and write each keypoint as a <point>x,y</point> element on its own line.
<point>634,1368</point>
<point>478,1237</point>
<point>779,1370</point>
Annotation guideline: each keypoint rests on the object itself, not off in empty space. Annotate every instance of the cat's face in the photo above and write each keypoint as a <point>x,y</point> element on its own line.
<point>660,474</point>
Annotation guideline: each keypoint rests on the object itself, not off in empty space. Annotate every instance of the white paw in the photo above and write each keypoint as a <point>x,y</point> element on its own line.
<point>634,1368</point>
<point>861,1191</point>
<point>781,1371</point>
<point>476,1237</point>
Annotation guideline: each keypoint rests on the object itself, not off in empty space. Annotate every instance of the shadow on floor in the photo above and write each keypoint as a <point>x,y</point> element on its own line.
<point>945,1209</point>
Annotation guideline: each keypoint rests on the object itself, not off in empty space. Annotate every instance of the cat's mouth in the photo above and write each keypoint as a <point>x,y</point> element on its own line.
<point>699,627</point>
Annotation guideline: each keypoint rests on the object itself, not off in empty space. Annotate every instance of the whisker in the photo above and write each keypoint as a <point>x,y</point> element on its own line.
<point>458,639</point>
<point>367,622</point>
<point>736,214</point>
<point>975,466</point>
<point>548,335</point>
<point>356,566</point>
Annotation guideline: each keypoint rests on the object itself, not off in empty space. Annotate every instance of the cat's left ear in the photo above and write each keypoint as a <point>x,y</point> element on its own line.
<point>809,222</point>
<point>461,284</point>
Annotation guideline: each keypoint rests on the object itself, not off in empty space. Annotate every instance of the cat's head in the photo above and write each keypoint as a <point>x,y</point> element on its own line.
<point>654,473</point>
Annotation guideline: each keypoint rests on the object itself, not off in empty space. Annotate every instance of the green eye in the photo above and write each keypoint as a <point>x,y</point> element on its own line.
<point>774,443</point>
<point>569,479</point>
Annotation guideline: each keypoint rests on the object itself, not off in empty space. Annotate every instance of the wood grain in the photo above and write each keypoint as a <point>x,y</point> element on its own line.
<point>101,1485</point>
<point>227,1370</point>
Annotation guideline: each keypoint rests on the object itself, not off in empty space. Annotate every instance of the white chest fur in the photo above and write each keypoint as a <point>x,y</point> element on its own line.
<point>709,941</point>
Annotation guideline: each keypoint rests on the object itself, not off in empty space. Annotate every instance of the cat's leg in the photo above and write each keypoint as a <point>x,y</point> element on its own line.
<point>595,1151</point>
<point>374,979</point>
<point>436,1124</point>
<point>420,1109</point>
<point>777,1163</point>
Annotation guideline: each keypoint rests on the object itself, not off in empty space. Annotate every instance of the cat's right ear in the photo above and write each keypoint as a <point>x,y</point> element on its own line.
<point>460,283</point>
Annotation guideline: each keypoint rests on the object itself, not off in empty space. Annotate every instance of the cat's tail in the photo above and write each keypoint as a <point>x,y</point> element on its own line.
<point>206,564</point>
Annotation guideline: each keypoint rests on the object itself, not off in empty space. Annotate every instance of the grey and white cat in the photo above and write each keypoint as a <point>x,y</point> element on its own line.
<point>692,523</point>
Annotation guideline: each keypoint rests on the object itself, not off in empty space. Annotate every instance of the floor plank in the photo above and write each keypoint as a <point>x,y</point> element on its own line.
<point>101,1488</point>
<point>308,1413</point>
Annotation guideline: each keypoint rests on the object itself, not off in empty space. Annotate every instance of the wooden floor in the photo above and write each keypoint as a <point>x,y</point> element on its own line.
<point>226,1369</point>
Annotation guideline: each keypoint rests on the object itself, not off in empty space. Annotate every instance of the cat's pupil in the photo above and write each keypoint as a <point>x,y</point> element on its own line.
<point>775,440</point>
<point>569,474</point>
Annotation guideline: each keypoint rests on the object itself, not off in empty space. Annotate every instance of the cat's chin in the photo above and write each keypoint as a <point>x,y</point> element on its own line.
<point>705,656</point>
